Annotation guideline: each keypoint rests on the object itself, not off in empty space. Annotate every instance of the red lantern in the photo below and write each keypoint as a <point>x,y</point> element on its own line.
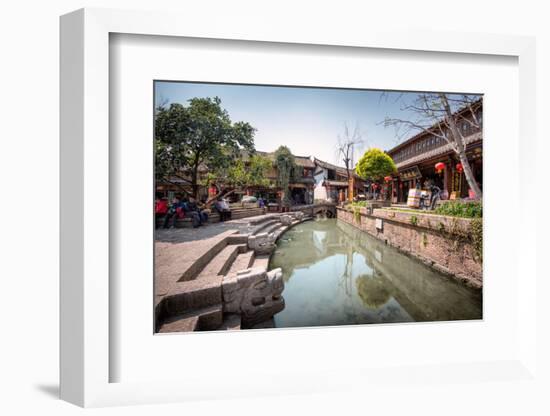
<point>459,168</point>
<point>387,178</point>
<point>439,166</point>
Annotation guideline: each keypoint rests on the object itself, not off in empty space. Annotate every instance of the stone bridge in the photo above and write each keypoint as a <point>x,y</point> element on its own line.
<point>325,208</point>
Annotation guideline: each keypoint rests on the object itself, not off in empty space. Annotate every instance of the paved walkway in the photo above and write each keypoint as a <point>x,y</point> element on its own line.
<point>181,235</point>
<point>177,249</point>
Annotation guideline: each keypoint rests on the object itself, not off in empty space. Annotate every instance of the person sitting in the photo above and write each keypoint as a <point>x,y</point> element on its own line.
<point>172,213</point>
<point>203,211</point>
<point>190,213</point>
<point>198,215</point>
<point>161,208</point>
<point>223,209</point>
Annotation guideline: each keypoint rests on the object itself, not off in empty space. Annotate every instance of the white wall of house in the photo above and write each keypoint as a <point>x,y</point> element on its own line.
<point>320,192</point>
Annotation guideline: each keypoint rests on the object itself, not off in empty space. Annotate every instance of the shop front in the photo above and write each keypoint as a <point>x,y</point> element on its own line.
<point>445,172</point>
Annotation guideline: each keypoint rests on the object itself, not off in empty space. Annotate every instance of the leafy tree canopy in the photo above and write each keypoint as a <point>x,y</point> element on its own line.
<point>284,161</point>
<point>375,164</point>
<point>201,133</point>
<point>253,173</point>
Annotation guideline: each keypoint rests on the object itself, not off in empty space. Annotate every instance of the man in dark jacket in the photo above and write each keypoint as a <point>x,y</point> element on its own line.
<point>172,213</point>
<point>197,215</point>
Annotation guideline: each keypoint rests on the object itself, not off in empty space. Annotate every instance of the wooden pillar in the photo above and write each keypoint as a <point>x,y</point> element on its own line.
<point>447,177</point>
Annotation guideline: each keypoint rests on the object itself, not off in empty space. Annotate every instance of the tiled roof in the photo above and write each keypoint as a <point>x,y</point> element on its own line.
<point>303,161</point>
<point>436,152</point>
<point>338,169</point>
<point>475,104</point>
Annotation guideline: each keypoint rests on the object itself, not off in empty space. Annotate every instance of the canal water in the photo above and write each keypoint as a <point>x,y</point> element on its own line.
<point>336,274</point>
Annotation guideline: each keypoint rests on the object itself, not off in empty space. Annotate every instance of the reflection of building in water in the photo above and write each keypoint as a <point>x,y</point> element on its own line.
<point>425,294</point>
<point>316,243</point>
<point>319,238</point>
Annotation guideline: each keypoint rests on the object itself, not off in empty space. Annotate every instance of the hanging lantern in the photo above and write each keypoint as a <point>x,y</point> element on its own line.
<point>387,178</point>
<point>439,167</point>
<point>459,168</point>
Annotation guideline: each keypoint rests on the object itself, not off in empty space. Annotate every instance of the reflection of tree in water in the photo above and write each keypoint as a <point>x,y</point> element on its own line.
<point>372,291</point>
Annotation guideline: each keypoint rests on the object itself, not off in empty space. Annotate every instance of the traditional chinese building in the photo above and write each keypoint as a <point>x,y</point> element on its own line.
<point>331,182</point>
<point>301,184</point>
<point>417,157</point>
<point>177,185</point>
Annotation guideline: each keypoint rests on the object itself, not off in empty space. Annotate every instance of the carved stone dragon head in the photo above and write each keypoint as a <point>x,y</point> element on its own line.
<point>254,294</point>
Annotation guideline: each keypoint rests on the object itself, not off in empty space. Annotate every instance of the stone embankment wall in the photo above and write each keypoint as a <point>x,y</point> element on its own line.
<point>447,244</point>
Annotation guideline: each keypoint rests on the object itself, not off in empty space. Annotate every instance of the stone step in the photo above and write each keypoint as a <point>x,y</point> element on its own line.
<point>203,319</point>
<point>264,225</point>
<point>237,239</point>
<point>279,231</point>
<point>214,216</point>
<point>263,218</point>
<point>272,228</point>
<point>242,262</point>
<point>261,261</point>
<point>236,215</point>
<point>180,324</point>
<point>231,322</point>
<point>221,263</point>
<point>191,295</point>
<point>220,243</point>
<point>205,289</point>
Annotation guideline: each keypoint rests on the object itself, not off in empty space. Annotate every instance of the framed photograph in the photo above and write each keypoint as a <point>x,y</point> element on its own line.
<point>251,206</point>
<point>352,234</point>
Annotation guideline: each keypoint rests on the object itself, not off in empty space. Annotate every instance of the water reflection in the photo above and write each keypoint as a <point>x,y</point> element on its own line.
<point>337,275</point>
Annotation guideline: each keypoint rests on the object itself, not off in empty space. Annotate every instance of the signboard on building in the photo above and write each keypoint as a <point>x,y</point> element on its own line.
<point>409,174</point>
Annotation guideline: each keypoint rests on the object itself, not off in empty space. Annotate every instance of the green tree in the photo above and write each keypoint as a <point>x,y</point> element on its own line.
<point>200,134</point>
<point>258,169</point>
<point>284,161</point>
<point>254,173</point>
<point>375,164</point>
<point>238,175</point>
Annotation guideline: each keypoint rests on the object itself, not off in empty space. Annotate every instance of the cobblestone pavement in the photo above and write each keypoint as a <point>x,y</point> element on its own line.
<point>181,235</point>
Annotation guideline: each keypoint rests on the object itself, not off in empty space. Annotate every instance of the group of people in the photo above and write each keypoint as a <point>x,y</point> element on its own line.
<point>184,208</point>
<point>188,208</point>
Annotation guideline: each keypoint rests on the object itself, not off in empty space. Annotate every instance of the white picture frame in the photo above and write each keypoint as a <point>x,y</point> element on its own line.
<point>85,211</point>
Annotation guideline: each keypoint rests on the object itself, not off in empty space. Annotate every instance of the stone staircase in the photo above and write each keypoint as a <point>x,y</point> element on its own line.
<point>219,287</point>
<point>236,214</point>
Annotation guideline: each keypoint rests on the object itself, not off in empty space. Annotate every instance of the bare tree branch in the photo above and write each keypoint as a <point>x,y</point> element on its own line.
<point>437,114</point>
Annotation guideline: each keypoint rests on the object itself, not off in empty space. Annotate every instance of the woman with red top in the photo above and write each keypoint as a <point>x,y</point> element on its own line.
<point>161,208</point>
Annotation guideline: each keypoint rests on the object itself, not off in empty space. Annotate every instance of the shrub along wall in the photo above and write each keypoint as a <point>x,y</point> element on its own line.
<point>451,245</point>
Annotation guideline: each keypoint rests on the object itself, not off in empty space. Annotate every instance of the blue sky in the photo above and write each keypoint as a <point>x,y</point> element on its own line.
<point>307,120</point>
